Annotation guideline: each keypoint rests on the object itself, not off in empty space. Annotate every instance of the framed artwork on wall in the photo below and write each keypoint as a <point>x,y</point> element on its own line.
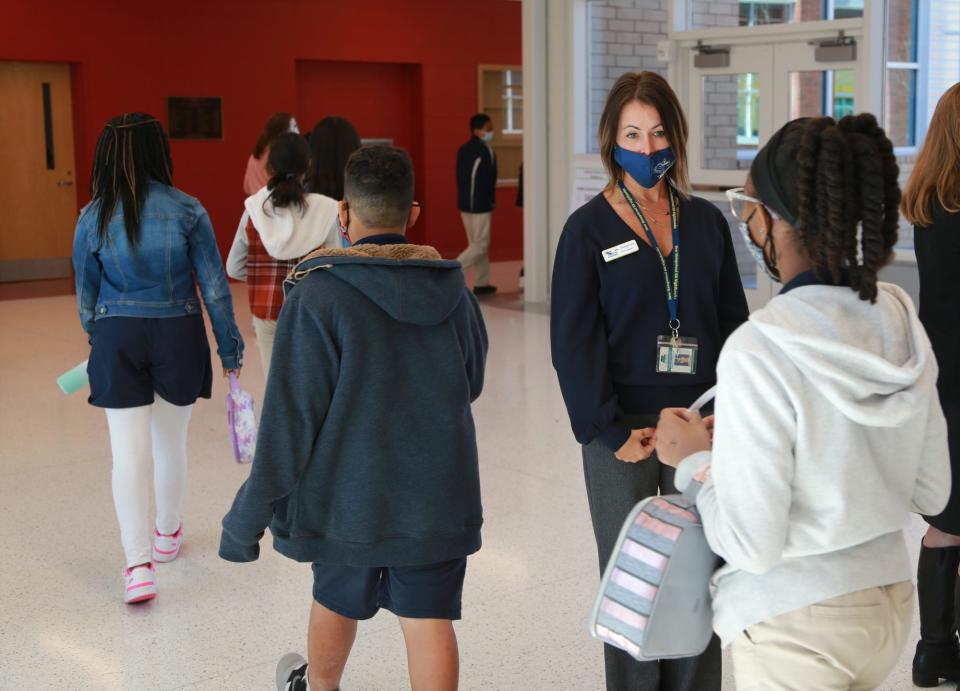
<point>195,118</point>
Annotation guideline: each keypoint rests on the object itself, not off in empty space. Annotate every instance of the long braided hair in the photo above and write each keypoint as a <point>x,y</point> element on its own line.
<point>132,150</point>
<point>846,196</point>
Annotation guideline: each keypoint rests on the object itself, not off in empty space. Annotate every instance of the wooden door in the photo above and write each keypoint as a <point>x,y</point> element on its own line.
<point>38,192</point>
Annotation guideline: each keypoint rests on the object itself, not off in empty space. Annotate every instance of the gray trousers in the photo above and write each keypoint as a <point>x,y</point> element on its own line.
<point>613,489</point>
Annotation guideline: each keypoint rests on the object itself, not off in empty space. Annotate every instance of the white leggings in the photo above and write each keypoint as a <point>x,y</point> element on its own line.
<point>137,434</point>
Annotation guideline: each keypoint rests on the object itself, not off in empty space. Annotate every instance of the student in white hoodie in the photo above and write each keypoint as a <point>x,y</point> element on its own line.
<point>280,225</point>
<point>828,429</point>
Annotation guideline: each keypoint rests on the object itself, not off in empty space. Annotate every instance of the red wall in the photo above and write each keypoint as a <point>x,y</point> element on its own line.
<point>131,56</point>
<point>382,100</point>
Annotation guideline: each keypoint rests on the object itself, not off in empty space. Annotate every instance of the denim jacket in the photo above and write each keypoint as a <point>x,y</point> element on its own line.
<point>158,277</point>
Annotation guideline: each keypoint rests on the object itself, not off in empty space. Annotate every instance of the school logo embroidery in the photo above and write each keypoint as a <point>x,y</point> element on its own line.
<point>661,168</point>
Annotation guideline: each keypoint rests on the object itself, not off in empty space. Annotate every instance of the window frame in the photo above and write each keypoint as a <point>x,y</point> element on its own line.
<point>504,138</point>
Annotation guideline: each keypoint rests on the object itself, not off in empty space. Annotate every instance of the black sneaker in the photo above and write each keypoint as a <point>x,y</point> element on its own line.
<point>292,673</point>
<point>484,290</point>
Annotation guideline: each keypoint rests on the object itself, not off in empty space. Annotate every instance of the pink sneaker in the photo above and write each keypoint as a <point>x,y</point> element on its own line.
<point>139,584</point>
<point>167,547</point>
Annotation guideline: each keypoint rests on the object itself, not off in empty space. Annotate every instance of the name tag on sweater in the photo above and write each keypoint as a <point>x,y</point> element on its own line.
<point>623,250</point>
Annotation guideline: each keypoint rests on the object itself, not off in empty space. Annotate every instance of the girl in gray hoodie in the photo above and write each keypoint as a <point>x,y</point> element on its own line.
<point>828,433</point>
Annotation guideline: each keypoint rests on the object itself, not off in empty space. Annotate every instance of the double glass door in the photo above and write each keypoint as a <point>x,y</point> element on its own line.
<point>734,109</point>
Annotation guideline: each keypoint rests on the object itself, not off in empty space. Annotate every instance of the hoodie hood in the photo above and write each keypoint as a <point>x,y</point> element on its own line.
<point>411,283</point>
<point>873,362</point>
<point>288,234</point>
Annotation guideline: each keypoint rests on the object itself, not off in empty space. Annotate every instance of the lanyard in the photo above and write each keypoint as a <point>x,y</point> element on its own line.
<point>673,285</point>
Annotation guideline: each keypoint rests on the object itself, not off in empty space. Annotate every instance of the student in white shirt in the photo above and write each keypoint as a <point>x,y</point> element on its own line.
<point>828,430</point>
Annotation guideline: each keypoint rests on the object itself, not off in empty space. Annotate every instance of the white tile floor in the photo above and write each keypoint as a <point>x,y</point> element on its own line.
<point>218,625</point>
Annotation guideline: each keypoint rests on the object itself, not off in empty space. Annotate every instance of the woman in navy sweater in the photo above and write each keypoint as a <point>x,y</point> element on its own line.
<point>636,326</point>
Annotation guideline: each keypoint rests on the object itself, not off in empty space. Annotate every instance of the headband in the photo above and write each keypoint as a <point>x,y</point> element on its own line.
<point>771,183</point>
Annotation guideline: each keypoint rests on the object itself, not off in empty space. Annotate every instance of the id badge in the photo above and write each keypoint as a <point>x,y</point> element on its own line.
<point>677,355</point>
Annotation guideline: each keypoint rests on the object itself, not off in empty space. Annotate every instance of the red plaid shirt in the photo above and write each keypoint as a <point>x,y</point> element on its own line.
<point>265,277</point>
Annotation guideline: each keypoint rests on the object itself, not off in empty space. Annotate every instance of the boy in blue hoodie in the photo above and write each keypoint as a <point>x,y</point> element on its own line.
<point>366,461</point>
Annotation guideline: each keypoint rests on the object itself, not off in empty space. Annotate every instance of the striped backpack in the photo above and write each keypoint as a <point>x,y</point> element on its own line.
<point>654,600</point>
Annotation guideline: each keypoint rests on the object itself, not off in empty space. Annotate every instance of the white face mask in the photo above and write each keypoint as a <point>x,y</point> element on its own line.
<point>293,126</point>
<point>488,136</point>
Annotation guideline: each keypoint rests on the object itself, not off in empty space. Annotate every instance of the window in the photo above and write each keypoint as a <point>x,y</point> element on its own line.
<point>843,92</point>
<point>845,9</point>
<point>731,120</point>
<point>903,67</point>
<point>748,109</point>
<point>758,13</point>
<point>710,14</point>
<point>814,93</point>
<point>501,97</point>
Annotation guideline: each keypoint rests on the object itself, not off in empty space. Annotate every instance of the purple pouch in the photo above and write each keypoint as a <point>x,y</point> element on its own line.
<point>242,421</point>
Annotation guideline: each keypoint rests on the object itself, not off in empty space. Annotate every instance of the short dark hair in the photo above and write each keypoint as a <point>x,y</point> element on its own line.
<point>378,186</point>
<point>653,90</point>
<point>478,121</point>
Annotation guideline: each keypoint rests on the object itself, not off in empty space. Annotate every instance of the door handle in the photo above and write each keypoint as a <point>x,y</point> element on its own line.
<point>64,183</point>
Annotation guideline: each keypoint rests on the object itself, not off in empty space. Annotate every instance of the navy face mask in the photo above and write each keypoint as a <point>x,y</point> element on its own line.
<point>647,170</point>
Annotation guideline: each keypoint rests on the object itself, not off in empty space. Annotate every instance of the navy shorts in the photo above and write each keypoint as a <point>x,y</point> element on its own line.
<point>433,591</point>
<point>133,357</point>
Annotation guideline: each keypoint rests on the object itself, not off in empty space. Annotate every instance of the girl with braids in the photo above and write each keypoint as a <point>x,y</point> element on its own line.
<point>140,248</point>
<point>257,173</point>
<point>281,225</point>
<point>931,201</point>
<point>828,429</point>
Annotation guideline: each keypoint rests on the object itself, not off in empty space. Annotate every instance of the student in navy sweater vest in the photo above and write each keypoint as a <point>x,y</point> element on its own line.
<point>636,326</point>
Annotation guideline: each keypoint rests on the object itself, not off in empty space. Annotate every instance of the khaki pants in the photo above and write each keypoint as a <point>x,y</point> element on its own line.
<point>476,254</point>
<point>266,329</point>
<point>849,643</point>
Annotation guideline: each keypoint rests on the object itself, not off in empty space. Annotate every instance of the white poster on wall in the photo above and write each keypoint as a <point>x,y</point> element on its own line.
<point>588,182</point>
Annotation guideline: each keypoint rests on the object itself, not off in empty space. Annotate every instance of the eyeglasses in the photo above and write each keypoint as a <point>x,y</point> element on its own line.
<point>743,206</point>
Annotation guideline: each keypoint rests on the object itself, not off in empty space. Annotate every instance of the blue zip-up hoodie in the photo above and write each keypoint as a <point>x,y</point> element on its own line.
<point>367,452</point>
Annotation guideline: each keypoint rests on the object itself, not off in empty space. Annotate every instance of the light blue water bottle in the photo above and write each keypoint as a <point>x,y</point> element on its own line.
<point>74,380</point>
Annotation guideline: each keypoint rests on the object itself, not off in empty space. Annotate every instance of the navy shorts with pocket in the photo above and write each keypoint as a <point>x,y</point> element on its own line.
<point>133,357</point>
<point>433,591</point>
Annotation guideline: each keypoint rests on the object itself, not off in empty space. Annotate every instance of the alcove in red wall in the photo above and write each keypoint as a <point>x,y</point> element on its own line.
<point>382,100</point>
